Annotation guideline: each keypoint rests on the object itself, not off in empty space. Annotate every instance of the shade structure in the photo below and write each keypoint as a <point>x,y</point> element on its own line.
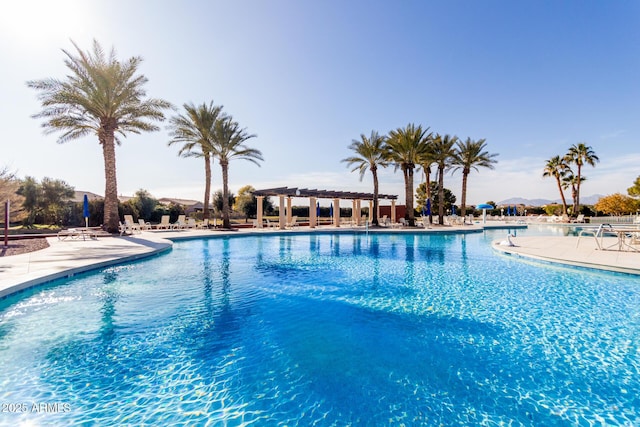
<point>484,207</point>
<point>85,210</point>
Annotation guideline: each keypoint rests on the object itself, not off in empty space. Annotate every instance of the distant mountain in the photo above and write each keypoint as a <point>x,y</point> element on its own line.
<point>587,200</point>
<point>526,202</point>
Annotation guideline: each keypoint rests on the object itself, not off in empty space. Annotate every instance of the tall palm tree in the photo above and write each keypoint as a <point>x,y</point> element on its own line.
<point>471,155</point>
<point>443,151</point>
<point>196,130</point>
<point>569,180</point>
<point>580,154</point>
<point>557,167</point>
<point>370,153</point>
<point>406,148</point>
<point>228,144</point>
<point>425,162</point>
<point>104,97</point>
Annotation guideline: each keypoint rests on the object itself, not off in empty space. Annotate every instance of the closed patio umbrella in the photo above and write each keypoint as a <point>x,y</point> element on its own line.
<point>85,210</point>
<point>484,207</point>
<point>331,212</point>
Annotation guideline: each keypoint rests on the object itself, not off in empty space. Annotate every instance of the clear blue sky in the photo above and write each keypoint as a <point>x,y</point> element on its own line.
<point>531,77</point>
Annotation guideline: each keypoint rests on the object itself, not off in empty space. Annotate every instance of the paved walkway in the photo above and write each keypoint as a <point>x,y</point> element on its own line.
<point>69,257</point>
<point>571,250</point>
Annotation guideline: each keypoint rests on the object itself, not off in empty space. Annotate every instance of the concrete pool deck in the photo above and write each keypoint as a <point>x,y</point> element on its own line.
<point>69,257</point>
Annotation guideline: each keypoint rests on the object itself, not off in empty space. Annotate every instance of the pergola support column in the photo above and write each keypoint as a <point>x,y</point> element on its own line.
<point>281,218</point>
<point>393,211</point>
<point>336,212</point>
<point>312,212</point>
<point>260,201</point>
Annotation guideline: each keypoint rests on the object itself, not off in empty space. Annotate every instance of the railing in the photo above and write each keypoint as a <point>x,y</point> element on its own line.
<point>626,236</point>
<point>626,219</point>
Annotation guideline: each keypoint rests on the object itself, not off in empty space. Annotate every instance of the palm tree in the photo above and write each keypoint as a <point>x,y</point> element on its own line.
<point>101,96</point>
<point>228,144</point>
<point>470,155</point>
<point>443,152</point>
<point>425,163</point>
<point>557,167</point>
<point>580,154</point>
<point>406,148</point>
<point>569,180</point>
<point>196,130</point>
<point>370,153</point>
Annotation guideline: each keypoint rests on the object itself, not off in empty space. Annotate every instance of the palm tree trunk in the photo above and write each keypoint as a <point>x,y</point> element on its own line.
<point>564,201</point>
<point>440,195</point>
<point>577,200</point>
<point>225,194</point>
<point>111,215</point>
<point>374,172</point>
<point>463,201</point>
<point>207,185</point>
<point>408,189</point>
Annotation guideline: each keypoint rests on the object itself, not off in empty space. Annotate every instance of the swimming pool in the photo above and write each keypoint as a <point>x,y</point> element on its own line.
<point>325,329</point>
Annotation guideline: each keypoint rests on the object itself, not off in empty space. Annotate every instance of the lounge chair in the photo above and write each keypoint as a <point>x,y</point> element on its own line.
<point>293,222</point>
<point>204,224</point>
<point>128,221</point>
<point>144,225</point>
<point>127,228</point>
<point>164,223</point>
<point>191,223</point>
<point>180,223</point>
<point>579,218</point>
<point>383,221</point>
<point>77,233</point>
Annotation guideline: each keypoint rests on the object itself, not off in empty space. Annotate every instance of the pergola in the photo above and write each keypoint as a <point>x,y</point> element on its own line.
<point>287,193</point>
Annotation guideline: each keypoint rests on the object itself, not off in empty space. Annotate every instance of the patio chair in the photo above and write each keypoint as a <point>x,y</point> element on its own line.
<point>191,223</point>
<point>144,225</point>
<point>128,221</point>
<point>293,222</point>
<point>180,223</point>
<point>164,223</point>
<point>127,228</point>
<point>204,224</point>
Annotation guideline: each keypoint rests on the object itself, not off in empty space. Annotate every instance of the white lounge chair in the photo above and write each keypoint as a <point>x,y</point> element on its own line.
<point>293,222</point>
<point>204,224</point>
<point>144,225</point>
<point>164,223</point>
<point>128,221</point>
<point>579,218</point>
<point>181,223</point>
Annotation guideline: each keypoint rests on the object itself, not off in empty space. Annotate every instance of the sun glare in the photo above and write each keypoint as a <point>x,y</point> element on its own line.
<point>26,24</point>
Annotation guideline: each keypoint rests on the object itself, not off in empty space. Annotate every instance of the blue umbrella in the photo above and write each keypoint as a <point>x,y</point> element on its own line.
<point>453,209</point>
<point>331,211</point>
<point>484,207</point>
<point>318,213</point>
<point>428,207</point>
<point>508,210</point>
<point>514,210</point>
<point>85,210</point>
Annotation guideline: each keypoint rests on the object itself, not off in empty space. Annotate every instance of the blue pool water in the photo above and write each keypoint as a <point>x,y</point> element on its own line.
<point>325,330</point>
